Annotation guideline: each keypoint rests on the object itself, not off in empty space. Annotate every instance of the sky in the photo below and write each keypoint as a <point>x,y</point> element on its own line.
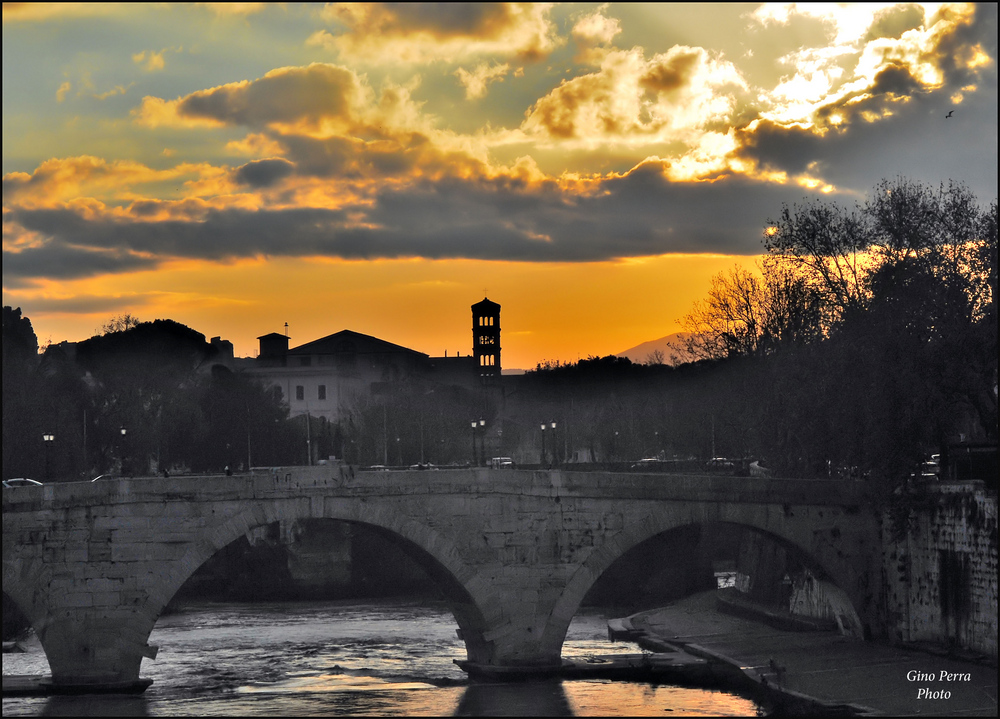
<point>381,167</point>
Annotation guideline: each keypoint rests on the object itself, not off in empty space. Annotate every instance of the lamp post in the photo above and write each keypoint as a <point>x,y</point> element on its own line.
<point>543,444</point>
<point>249,458</point>
<point>555,445</point>
<point>482,442</point>
<point>47,438</point>
<point>123,451</point>
<point>474,425</point>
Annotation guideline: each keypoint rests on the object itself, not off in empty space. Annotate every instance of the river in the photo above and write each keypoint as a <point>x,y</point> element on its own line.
<point>380,658</point>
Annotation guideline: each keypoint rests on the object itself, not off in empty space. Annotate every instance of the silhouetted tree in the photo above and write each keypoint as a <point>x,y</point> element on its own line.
<point>906,316</point>
<point>22,403</point>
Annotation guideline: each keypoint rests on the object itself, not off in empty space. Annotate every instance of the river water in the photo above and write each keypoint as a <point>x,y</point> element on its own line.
<point>387,658</point>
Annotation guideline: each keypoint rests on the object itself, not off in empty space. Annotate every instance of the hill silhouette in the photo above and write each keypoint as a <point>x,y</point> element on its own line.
<point>671,346</point>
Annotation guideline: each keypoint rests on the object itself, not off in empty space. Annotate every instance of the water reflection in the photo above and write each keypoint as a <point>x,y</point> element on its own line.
<point>524,699</point>
<point>95,705</point>
<point>376,659</point>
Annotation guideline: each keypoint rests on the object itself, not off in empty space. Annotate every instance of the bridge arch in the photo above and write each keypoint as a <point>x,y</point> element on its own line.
<point>654,524</point>
<point>435,553</point>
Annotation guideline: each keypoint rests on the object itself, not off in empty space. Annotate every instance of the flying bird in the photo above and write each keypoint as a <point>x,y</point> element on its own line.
<point>950,113</point>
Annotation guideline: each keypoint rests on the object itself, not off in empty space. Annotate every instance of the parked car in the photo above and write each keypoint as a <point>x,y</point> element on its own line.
<point>718,463</point>
<point>647,463</point>
<point>21,482</point>
<point>101,477</point>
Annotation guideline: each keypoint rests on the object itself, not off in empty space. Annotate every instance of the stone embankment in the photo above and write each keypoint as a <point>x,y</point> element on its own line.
<point>804,670</point>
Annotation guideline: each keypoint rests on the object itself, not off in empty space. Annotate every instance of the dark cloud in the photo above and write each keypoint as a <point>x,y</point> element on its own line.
<point>285,95</point>
<point>84,304</point>
<point>917,141</point>
<point>636,215</point>
<point>790,149</point>
<point>446,19</point>
<point>895,79</point>
<point>263,173</point>
<point>62,261</point>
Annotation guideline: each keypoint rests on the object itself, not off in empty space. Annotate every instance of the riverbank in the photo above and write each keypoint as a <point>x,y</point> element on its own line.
<point>814,671</point>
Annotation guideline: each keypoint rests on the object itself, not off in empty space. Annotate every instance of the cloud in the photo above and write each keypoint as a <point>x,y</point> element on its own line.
<point>877,57</point>
<point>385,33</point>
<point>63,262</point>
<point>323,97</point>
<point>475,82</point>
<point>328,122</point>
<point>42,12</point>
<point>62,180</point>
<point>85,303</point>
<point>116,90</point>
<point>63,90</point>
<point>240,9</point>
<point>594,34</point>
<point>640,213</point>
<point>263,173</point>
<point>596,28</point>
<point>150,60</point>
<point>885,75</point>
<point>665,98</point>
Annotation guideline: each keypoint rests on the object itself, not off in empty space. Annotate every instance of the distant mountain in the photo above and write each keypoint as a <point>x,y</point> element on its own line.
<point>671,346</point>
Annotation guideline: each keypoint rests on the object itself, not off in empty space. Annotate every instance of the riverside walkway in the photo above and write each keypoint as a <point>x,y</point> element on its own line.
<point>846,676</point>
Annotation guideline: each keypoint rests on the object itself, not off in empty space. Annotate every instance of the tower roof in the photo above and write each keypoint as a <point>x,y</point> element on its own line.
<point>486,304</point>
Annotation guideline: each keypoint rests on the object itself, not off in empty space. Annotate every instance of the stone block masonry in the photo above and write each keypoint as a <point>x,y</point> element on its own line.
<point>514,561</point>
<point>942,573</point>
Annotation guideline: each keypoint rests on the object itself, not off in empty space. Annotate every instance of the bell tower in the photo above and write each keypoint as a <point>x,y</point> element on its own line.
<point>486,338</point>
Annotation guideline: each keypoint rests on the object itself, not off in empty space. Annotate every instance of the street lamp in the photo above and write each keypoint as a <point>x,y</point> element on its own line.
<point>482,442</point>
<point>474,425</point>
<point>543,443</point>
<point>47,438</point>
<point>123,451</point>
<point>555,445</point>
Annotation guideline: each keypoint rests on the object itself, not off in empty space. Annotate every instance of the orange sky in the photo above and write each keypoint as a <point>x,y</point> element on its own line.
<point>552,311</point>
<point>381,167</point>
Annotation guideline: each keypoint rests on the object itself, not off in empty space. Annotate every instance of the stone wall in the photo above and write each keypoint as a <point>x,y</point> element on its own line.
<point>812,597</point>
<point>941,574</point>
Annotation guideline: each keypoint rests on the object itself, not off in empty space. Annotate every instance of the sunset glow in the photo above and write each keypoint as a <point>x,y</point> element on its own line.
<point>380,168</point>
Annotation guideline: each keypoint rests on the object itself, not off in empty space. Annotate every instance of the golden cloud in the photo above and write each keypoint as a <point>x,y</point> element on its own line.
<point>670,97</point>
<point>596,28</point>
<point>475,82</point>
<point>62,180</point>
<point>423,33</point>
<point>878,56</point>
<point>240,9</point>
<point>40,12</point>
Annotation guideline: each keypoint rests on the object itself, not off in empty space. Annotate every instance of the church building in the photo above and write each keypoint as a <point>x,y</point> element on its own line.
<point>321,378</point>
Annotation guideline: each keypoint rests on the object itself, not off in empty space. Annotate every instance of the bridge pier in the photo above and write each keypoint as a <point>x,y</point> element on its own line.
<point>97,652</point>
<point>523,642</point>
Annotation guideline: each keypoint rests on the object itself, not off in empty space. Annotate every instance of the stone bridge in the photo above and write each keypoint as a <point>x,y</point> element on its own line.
<point>92,565</point>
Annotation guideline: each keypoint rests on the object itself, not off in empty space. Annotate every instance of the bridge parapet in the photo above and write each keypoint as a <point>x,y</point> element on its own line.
<point>335,480</point>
